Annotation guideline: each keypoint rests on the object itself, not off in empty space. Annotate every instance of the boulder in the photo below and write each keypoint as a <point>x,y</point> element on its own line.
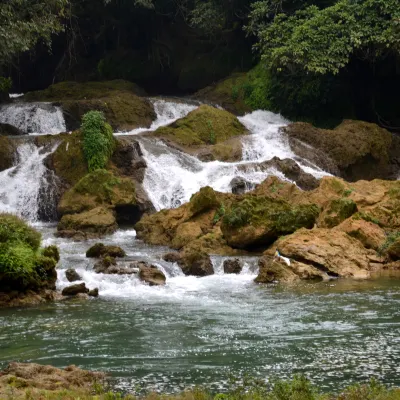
<point>72,275</point>
<point>240,185</point>
<point>336,211</point>
<point>123,109</point>
<point>359,150</point>
<point>196,263</point>
<point>102,266</point>
<point>204,126</point>
<point>100,250</point>
<point>256,221</point>
<point>152,275</point>
<point>371,235</point>
<point>328,250</point>
<point>232,266</point>
<point>98,221</point>
<point>10,130</point>
<point>185,233</point>
<point>75,289</point>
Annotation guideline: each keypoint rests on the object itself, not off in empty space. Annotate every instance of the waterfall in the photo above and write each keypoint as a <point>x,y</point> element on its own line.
<point>172,177</point>
<point>34,118</point>
<point>29,189</point>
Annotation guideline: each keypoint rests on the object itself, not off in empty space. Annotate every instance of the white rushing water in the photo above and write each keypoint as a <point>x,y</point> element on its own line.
<point>34,118</point>
<point>22,185</point>
<point>172,177</point>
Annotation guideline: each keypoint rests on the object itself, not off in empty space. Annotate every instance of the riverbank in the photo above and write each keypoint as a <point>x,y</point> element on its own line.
<point>40,382</point>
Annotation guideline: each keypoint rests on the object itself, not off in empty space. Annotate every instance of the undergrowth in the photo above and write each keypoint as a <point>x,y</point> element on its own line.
<point>98,140</point>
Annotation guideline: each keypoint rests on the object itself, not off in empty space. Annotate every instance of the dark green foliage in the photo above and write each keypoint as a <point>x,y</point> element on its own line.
<point>51,252</point>
<point>219,214</point>
<point>98,140</point>
<point>391,238</point>
<point>236,217</point>
<point>366,217</point>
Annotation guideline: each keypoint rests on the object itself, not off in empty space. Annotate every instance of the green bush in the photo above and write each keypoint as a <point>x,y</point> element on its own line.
<point>98,140</point>
<point>390,239</point>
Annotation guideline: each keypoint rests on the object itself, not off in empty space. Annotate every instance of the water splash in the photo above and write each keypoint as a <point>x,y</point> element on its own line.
<point>34,118</point>
<point>28,189</point>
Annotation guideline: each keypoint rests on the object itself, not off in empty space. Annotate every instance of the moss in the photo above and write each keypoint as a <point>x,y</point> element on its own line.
<point>100,187</point>
<point>204,200</point>
<point>337,211</point>
<point>23,264</point>
<point>205,125</point>
<point>52,252</point>
<point>366,217</point>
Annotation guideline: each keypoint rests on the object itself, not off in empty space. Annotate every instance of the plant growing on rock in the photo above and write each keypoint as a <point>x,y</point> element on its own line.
<point>98,140</point>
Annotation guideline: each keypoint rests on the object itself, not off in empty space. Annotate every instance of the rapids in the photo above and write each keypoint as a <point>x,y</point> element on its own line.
<point>193,331</point>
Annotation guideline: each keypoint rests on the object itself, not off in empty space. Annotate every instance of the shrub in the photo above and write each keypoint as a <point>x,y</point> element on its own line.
<point>98,140</point>
<point>390,239</point>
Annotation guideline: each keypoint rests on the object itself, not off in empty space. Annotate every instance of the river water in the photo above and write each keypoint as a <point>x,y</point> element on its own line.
<point>196,331</point>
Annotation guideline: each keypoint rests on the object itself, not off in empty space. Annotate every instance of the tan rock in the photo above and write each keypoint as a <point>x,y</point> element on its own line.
<point>152,275</point>
<point>371,235</point>
<point>186,233</point>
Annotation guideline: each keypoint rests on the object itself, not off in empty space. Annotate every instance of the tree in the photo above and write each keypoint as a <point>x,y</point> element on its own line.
<point>25,22</point>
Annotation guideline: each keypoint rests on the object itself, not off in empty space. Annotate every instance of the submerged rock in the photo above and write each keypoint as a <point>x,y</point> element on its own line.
<point>75,289</point>
<point>72,275</point>
<point>232,266</point>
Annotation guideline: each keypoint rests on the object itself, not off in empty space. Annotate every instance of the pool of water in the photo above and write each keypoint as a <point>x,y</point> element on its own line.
<point>201,331</point>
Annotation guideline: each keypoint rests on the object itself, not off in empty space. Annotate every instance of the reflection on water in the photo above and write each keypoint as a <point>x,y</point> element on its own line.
<point>200,331</point>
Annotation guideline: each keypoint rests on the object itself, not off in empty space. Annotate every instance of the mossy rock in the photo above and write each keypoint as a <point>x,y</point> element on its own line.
<point>336,212</point>
<point>123,109</point>
<point>99,221</point>
<point>258,220</point>
<point>7,153</point>
<point>23,265</point>
<point>203,200</point>
<point>204,126</point>
<point>227,93</point>
<point>100,250</point>
<point>394,250</point>
<point>100,187</point>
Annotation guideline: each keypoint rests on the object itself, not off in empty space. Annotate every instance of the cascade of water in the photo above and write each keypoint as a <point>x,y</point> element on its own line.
<point>34,118</point>
<point>172,177</point>
<point>167,112</point>
<point>29,189</point>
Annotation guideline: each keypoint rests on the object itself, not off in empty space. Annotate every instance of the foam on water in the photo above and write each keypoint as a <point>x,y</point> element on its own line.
<point>34,118</point>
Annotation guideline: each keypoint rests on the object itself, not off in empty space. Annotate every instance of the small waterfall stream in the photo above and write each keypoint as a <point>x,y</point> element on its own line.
<point>34,118</point>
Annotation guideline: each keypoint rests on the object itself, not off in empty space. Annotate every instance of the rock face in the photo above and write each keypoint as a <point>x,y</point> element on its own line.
<point>330,251</point>
<point>356,149</point>
<point>394,250</point>
<point>72,275</point>
<point>232,266</point>
<point>152,275</point>
<point>75,289</point>
<point>123,109</point>
<point>336,211</point>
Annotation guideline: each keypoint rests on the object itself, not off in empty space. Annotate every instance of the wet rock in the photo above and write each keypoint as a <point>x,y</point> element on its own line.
<point>196,263</point>
<point>94,292</point>
<point>152,275</point>
<point>102,265</point>
<point>10,130</point>
<point>7,153</point>
<point>240,185</point>
<point>75,289</point>
<point>233,266</point>
<point>28,298</point>
<point>72,275</point>
<point>172,257</point>
<point>100,250</point>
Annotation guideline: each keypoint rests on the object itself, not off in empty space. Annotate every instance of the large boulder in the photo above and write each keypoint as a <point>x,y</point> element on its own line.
<point>196,263</point>
<point>100,250</point>
<point>256,221</point>
<point>73,290</point>
<point>123,109</point>
<point>233,266</point>
<point>72,275</point>
<point>328,250</point>
<point>358,150</point>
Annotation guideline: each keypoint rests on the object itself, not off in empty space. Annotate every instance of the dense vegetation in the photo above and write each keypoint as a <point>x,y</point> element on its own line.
<point>319,60</point>
<point>98,140</point>
<point>23,264</point>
